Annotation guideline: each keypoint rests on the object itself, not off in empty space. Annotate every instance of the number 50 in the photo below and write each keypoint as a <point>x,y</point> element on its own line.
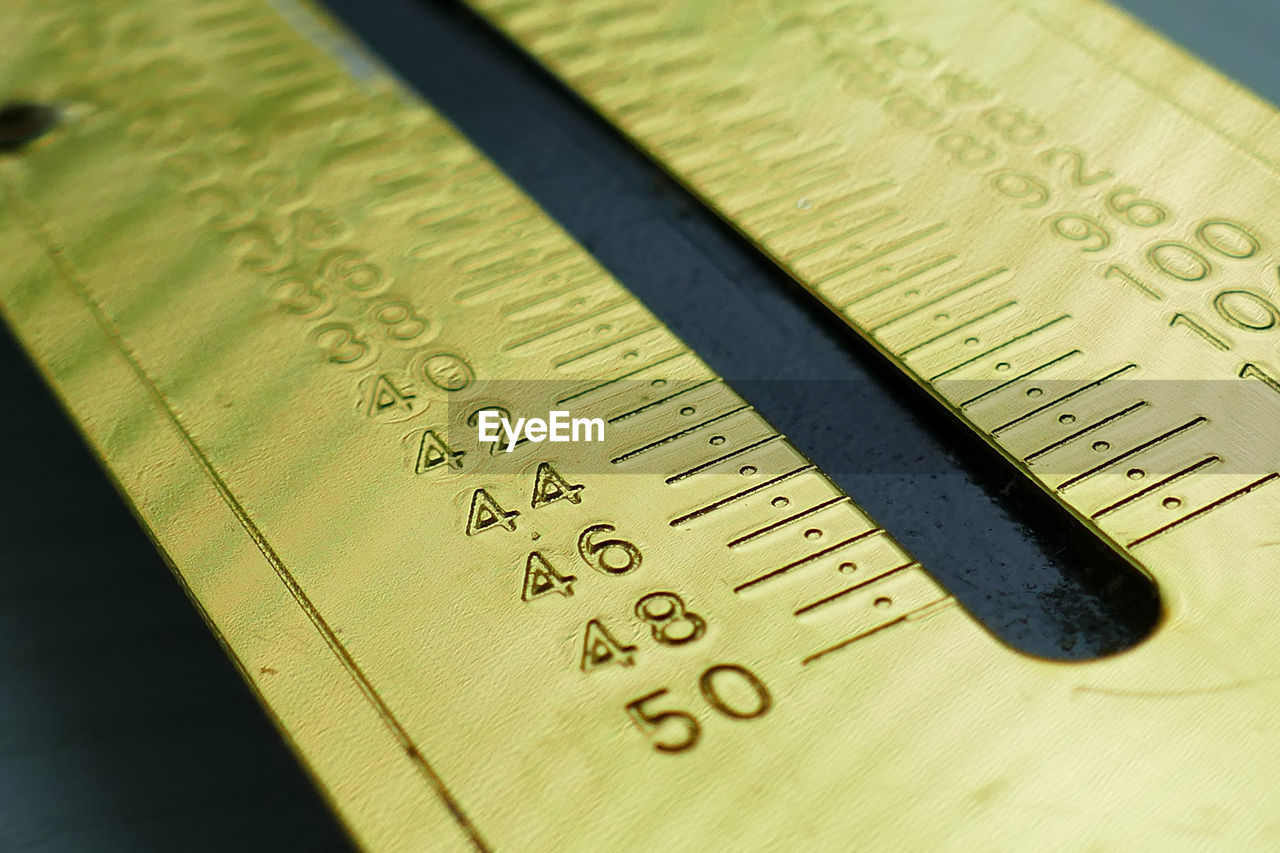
<point>677,731</point>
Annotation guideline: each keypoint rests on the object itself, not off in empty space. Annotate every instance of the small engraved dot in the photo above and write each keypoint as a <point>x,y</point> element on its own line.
<point>1003,366</point>
<point>602,328</point>
<point>1172,503</point>
<point>577,303</point>
<point>536,536</point>
<point>716,439</point>
<point>912,294</point>
<point>883,602</point>
<point>780,501</point>
<point>813,533</point>
<point>848,568</point>
<point>658,383</point>
<point>630,354</point>
<point>688,410</point>
<point>1101,446</point>
<point>804,204</point>
<point>1035,392</point>
<point>747,470</point>
<point>942,318</point>
<point>971,342</point>
<point>1067,419</point>
<point>1136,474</point>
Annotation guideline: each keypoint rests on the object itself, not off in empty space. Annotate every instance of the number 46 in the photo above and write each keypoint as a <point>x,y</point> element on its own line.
<point>677,731</point>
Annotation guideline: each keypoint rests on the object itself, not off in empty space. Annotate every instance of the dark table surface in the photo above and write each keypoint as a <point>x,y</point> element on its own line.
<point>124,727</point>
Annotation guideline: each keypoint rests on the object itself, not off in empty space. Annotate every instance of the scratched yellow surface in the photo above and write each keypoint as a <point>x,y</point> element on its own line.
<point>273,290</point>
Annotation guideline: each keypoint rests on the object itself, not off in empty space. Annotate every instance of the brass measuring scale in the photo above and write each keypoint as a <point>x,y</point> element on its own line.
<point>684,634</point>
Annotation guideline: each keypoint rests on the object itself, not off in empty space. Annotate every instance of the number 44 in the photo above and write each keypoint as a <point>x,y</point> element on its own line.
<point>548,487</point>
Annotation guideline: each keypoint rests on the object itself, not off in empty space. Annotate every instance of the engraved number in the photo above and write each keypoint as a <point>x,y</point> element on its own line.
<point>910,111</point>
<point>1015,126</point>
<point>1245,309</point>
<point>665,614</point>
<point>960,89</point>
<point>731,690</point>
<point>260,251</point>
<point>1227,239</point>
<point>611,556</point>
<point>1077,174</point>
<point>297,295</point>
<point>224,209</point>
<point>733,705</point>
<point>549,486</point>
<point>1126,204</point>
<point>340,343</point>
<point>862,77</point>
<point>907,55</point>
<point>1190,323</point>
<point>486,514</point>
<point>600,648</point>
<point>671,731</point>
<point>541,578</point>
<point>1079,228</point>
<point>965,149</point>
<point>1125,274</point>
<point>350,271</point>
<point>1252,371</point>
<point>1020,186</point>
<point>399,321</point>
<point>1180,261</point>
<point>434,451</point>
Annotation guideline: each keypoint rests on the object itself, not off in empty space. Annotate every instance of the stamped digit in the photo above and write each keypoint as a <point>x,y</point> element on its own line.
<point>749,698</point>
<point>549,487</point>
<point>541,578</point>
<point>1022,187</point>
<point>298,295</point>
<point>340,343</point>
<point>1015,126</point>
<point>1126,205</point>
<point>434,451</point>
<point>486,514</point>
<point>682,729</point>
<point>349,271</point>
<point>912,112</point>
<point>966,149</point>
<point>667,618</point>
<point>399,321</point>
<point>1079,228</point>
<point>611,556</point>
<point>599,648</point>
<point>1078,175</point>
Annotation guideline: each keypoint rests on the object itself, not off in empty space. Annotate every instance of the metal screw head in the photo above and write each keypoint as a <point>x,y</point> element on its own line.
<point>22,122</point>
